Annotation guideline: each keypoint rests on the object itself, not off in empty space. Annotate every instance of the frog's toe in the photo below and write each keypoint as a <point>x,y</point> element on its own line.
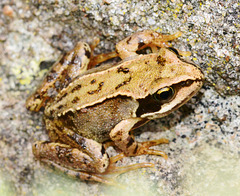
<point>113,169</point>
<point>144,147</point>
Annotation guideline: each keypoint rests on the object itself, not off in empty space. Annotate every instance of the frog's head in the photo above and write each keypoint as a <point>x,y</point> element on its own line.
<point>178,81</point>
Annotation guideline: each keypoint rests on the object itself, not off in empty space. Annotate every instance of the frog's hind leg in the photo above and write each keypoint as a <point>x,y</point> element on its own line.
<point>135,42</point>
<point>78,164</point>
<point>73,154</point>
<point>71,65</point>
<point>73,161</point>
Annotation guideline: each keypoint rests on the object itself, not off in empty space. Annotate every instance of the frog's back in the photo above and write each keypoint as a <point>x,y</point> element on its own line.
<point>127,78</point>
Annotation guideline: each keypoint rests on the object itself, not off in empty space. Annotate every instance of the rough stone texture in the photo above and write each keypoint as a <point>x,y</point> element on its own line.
<point>204,134</point>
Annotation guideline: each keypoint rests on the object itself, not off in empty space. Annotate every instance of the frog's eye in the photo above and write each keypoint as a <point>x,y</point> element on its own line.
<point>164,94</point>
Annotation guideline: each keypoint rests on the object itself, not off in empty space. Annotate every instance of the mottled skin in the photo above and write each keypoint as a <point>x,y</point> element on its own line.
<point>86,106</point>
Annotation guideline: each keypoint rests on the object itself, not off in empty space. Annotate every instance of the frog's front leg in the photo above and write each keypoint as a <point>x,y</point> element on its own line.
<point>124,141</point>
<point>72,64</point>
<point>74,161</point>
<point>141,40</point>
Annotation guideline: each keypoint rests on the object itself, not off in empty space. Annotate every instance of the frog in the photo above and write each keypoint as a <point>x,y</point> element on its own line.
<point>90,103</point>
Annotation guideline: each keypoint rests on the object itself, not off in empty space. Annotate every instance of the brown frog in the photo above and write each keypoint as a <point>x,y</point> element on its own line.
<point>87,106</point>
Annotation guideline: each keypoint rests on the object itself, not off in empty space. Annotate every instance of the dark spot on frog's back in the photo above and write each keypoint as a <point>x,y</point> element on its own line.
<point>59,107</point>
<point>146,62</point>
<point>101,84</point>
<point>161,60</point>
<point>123,83</point>
<point>64,95</point>
<point>93,81</point>
<point>97,90</point>
<point>124,70</point>
<point>75,100</point>
<point>60,99</point>
<point>76,88</point>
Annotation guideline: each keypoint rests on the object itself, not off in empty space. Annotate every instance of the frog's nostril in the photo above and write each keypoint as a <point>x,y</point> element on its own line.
<point>35,149</point>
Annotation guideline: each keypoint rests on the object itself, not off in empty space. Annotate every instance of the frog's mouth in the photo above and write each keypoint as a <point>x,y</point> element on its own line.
<point>183,91</point>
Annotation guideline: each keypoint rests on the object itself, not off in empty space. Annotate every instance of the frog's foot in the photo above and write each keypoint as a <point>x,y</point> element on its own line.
<point>143,148</point>
<point>117,170</point>
<point>124,141</point>
<point>113,169</point>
